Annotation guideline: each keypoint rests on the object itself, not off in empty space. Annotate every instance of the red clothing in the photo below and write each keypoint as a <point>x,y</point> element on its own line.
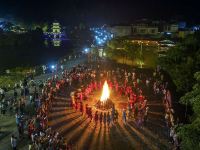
<point>81,107</point>
<point>141,98</point>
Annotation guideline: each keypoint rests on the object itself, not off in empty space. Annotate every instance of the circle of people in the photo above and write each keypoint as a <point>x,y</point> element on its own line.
<point>132,84</point>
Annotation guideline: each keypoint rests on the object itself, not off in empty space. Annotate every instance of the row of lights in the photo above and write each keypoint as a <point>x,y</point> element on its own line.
<point>147,43</point>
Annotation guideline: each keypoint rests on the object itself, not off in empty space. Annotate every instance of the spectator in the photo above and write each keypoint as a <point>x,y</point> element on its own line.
<point>124,116</point>
<point>13,142</point>
<point>15,94</point>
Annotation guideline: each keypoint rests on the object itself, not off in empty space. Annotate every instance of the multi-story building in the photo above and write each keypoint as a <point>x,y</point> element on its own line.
<point>144,29</point>
<point>120,30</point>
<point>154,29</point>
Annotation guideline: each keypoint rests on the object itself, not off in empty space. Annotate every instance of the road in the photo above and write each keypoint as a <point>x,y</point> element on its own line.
<point>68,65</point>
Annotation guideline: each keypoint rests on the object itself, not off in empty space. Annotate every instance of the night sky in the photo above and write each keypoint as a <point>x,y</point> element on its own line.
<point>100,11</point>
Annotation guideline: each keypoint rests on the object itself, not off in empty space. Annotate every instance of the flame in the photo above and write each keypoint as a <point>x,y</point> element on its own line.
<point>105,93</point>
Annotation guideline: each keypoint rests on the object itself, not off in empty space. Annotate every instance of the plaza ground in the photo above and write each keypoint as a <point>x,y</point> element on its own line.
<point>85,135</point>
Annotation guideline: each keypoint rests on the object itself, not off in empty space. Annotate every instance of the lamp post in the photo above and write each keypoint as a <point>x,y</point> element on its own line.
<point>141,53</point>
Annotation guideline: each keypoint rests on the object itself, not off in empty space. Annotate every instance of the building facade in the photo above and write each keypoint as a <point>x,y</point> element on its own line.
<point>172,28</point>
<point>144,29</point>
<point>120,30</point>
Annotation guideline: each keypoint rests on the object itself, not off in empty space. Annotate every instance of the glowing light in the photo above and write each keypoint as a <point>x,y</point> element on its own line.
<point>86,50</point>
<point>105,93</point>
<point>101,36</point>
<point>168,33</point>
<point>56,42</point>
<point>140,63</point>
<point>52,67</point>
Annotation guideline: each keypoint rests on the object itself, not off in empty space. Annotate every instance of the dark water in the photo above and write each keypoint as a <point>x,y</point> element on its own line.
<point>32,55</point>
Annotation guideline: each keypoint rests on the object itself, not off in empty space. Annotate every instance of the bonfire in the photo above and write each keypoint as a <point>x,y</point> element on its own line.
<point>105,102</point>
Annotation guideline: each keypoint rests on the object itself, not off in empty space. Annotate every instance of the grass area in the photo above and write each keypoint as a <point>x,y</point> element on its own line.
<point>7,126</point>
<point>149,61</point>
<point>14,76</point>
<point>10,80</point>
<point>7,123</point>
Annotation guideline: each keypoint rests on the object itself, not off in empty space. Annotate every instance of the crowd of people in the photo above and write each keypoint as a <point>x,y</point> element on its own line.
<point>136,86</point>
<point>169,111</point>
<point>41,135</point>
<point>130,83</point>
<point>40,100</point>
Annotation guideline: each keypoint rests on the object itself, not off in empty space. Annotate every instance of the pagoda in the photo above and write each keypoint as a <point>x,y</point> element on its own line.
<point>56,30</point>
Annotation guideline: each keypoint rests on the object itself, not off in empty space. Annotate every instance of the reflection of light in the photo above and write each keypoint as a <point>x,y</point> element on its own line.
<point>56,42</point>
<point>105,93</point>
<point>104,54</point>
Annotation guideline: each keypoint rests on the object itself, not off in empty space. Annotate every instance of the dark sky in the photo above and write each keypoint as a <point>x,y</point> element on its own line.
<point>100,11</point>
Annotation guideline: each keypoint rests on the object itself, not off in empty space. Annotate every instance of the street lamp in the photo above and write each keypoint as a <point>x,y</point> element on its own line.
<point>141,53</point>
<point>86,50</point>
<point>53,67</point>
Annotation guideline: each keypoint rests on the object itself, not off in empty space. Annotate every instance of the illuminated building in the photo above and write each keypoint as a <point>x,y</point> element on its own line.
<point>56,36</point>
<point>120,30</point>
<point>56,29</point>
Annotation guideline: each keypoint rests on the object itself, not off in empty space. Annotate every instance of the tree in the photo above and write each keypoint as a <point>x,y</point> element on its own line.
<point>190,133</point>
<point>183,64</point>
<point>131,54</point>
<point>116,48</point>
<point>135,53</point>
<point>131,50</point>
<point>182,61</point>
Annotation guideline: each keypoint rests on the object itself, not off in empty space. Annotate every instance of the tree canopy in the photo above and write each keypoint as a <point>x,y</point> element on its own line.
<point>132,52</point>
<point>190,133</point>
<point>183,64</point>
<point>182,61</point>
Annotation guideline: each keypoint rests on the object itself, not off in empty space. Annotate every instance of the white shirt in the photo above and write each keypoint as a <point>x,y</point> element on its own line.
<point>13,142</point>
<point>1,91</point>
